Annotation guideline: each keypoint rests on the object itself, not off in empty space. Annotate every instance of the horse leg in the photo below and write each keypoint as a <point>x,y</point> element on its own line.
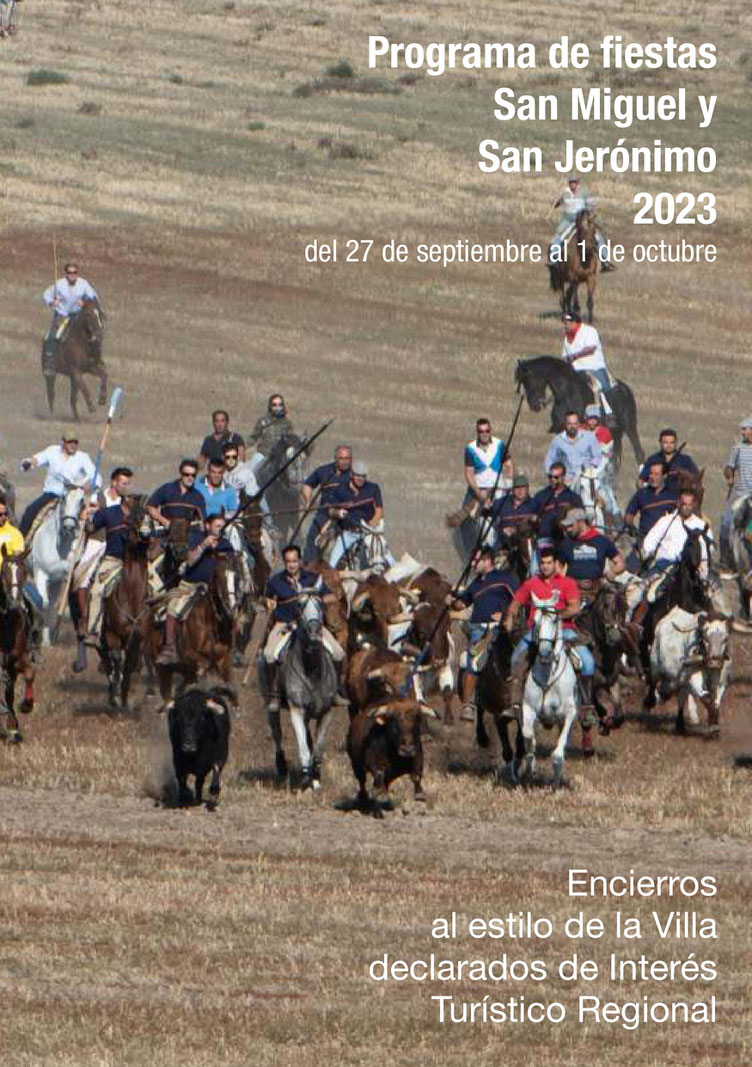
<point>528,735</point>
<point>85,392</point>
<point>506,759</point>
<point>41,581</point>
<point>302,736</point>
<point>27,704</point>
<point>561,744</point>
<point>322,731</point>
<point>74,387</point>
<point>280,761</point>
<point>590,301</point>
<point>101,372</point>
<point>130,664</point>
<point>49,382</point>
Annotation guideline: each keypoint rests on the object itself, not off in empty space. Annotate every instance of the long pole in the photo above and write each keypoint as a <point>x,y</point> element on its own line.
<point>76,553</point>
<point>484,527</point>
<point>269,481</point>
<point>311,507</point>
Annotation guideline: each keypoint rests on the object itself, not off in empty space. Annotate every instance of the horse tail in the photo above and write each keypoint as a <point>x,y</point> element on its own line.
<point>557,276</point>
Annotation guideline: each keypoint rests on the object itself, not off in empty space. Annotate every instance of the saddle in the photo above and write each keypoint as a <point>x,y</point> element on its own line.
<point>39,518</point>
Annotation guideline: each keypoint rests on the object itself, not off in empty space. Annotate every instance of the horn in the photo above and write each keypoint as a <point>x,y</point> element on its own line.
<point>377,672</point>
<point>217,708</point>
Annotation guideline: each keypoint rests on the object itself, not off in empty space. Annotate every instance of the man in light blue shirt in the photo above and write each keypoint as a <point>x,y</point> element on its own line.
<point>219,496</point>
<point>575,447</point>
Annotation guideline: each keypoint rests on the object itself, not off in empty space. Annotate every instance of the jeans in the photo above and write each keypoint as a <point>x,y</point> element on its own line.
<point>310,552</point>
<point>584,653</point>
<point>33,510</point>
<point>346,539</point>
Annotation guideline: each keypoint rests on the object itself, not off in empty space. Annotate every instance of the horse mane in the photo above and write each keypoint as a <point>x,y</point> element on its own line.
<point>544,366</point>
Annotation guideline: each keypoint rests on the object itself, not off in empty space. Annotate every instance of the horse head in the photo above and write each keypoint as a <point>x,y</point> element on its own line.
<point>585,224</point>
<point>91,317</point>
<point>12,579</point>
<point>71,505</point>
<point>225,587</point>
<point>310,618</point>
<point>534,388</point>
<point>609,613</point>
<point>140,523</point>
<point>547,625</point>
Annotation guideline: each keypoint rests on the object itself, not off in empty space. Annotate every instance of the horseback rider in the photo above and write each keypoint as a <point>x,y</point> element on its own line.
<point>664,544</point>
<point>213,445</point>
<point>575,447</point>
<point>674,462</point>
<point>94,551</point>
<point>653,501</point>
<point>324,480</point>
<point>549,584</point>
<point>514,509</point>
<point>738,475</point>
<point>65,465</point>
<point>113,519</point>
<point>282,592</point>
<point>582,348</point>
<point>357,509</point>
<point>12,544</point>
<point>179,499</point>
<point>482,463</point>
<point>65,296</point>
<point>205,546</point>
<point>489,595</point>
<point>586,553</point>
<point>218,495</point>
<point>574,200</point>
<point>604,471</point>
<point>269,429</point>
<point>553,502</point>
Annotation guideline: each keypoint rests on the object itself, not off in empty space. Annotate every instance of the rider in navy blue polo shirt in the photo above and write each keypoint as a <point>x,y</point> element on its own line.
<point>323,483</point>
<point>489,594</point>
<point>586,552</point>
<point>653,501</point>
<point>357,501</point>
<point>674,462</point>
<point>179,499</point>
<point>552,503</point>
<point>514,509</point>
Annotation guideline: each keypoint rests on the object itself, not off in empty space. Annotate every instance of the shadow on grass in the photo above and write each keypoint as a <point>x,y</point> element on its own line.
<point>375,808</point>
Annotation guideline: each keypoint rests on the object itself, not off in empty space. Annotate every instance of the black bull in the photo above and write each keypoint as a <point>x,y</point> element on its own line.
<point>571,391</point>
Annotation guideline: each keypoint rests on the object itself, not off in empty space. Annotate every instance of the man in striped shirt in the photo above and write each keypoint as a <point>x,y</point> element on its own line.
<point>738,475</point>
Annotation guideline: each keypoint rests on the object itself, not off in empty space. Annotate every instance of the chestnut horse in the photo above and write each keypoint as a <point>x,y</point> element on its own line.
<point>15,644</point>
<point>205,637</point>
<point>579,266</point>
<point>126,615</point>
<point>78,353</point>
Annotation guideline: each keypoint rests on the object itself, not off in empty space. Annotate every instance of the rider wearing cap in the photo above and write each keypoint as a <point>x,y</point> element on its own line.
<point>604,471</point>
<point>514,509</point>
<point>356,504</point>
<point>586,553</point>
<point>65,465</point>
<point>489,595</point>
<point>574,200</point>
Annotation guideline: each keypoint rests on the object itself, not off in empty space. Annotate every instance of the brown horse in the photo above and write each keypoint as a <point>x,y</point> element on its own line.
<point>580,265</point>
<point>250,525</point>
<point>15,644</point>
<point>79,352</point>
<point>204,638</point>
<point>126,615</point>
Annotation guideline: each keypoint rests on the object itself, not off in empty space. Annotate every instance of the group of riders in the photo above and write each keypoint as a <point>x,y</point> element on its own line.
<point>571,545</point>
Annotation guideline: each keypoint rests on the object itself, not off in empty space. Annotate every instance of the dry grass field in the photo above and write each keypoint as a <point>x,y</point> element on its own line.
<point>182,169</point>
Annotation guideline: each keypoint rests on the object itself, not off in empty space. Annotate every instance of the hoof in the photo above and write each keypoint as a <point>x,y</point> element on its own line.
<point>280,767</point>
<point>15,737</point>
<point>27,706</point>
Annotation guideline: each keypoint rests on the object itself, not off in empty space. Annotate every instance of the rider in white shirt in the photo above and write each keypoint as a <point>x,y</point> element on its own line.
<point>65,296</point>
<point>574,200</point>
<point>665,541</point>
<point>65,465</point>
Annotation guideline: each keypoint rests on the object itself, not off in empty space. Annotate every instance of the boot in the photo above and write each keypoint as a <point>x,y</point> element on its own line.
<point>272,687</point>
<point>81,599</point>
<point>586,696</point>
<point>516,683</point>
<point>469,707</point>
<point>79,664</point>
<point>169,654</point>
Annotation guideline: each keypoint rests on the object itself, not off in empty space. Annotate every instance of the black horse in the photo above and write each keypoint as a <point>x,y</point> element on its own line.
<point>283,495</point>
<point>571,391</point>
<point>492,695</point>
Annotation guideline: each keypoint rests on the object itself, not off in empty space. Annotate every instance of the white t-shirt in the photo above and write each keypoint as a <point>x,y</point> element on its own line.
<point>669,535</point>
<point>69,297</point>
<point>584,338</point>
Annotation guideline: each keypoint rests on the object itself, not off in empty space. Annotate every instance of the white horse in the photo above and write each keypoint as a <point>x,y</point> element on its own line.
<point>550,695</point>
<point>594,486</point>
<point>52,548</point>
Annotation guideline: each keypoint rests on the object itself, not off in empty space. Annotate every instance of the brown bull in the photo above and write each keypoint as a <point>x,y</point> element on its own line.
<point>374,674</point>
<point>429,636</point>
<point>15,644</point>
<point>384,741</point>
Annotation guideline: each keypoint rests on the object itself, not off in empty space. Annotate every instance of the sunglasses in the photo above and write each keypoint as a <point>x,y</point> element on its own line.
<point>555,477</point>
<point>72,273</point>
<point>3,514</point>
<point>187,474</point>
<point>231,455</point>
